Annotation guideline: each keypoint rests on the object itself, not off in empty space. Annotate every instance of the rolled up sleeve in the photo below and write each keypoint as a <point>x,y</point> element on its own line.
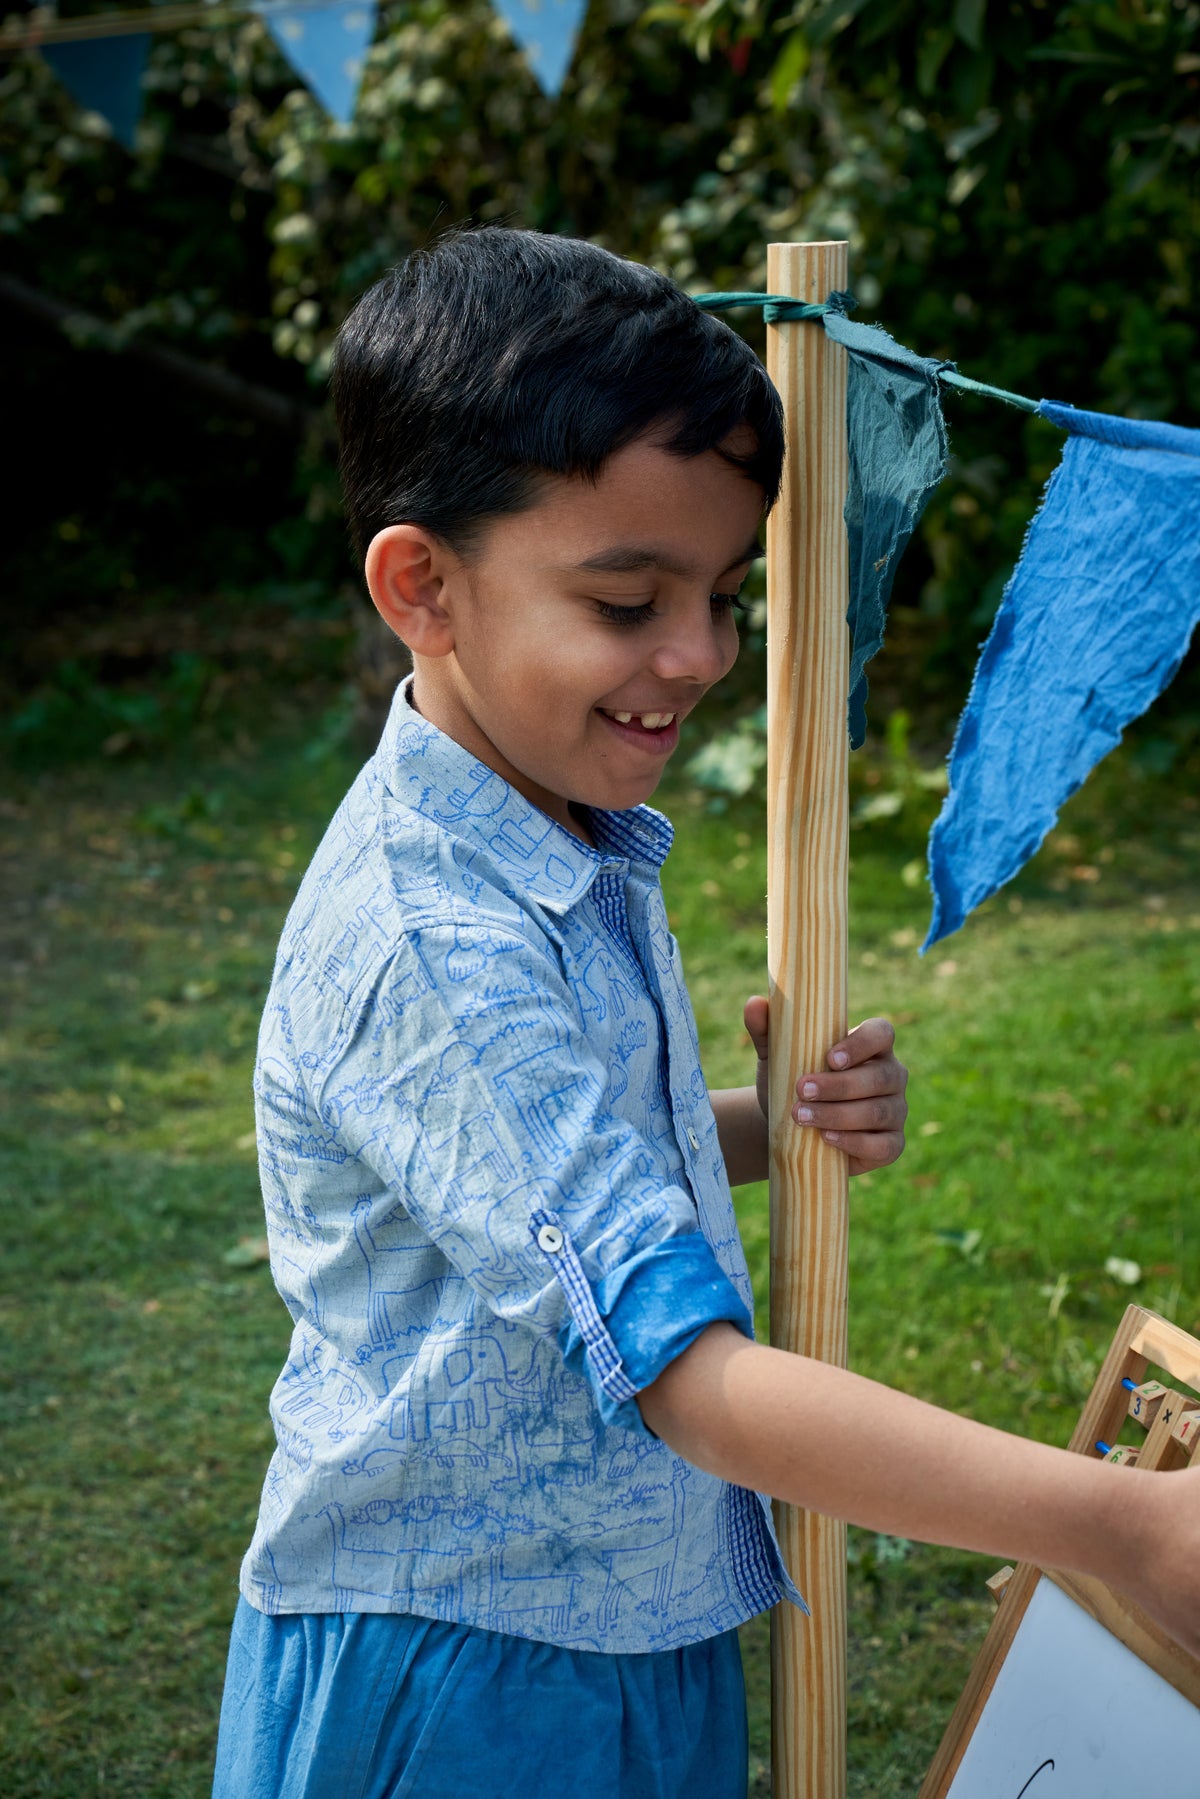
<point>650,1310</point>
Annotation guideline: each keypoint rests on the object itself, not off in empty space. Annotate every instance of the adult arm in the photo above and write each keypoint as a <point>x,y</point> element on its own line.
<point>831,1441</point>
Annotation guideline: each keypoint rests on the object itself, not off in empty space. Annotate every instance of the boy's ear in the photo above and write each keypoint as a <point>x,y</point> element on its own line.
<point>406,569</point>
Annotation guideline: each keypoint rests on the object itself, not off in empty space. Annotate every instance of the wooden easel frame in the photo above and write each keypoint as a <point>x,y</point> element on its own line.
<point>1144,1338</point>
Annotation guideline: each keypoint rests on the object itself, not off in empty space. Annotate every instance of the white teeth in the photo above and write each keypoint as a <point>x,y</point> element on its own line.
<point>623,718</point>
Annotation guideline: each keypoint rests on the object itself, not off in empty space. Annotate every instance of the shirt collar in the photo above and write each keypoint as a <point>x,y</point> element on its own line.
<point>442,781</point>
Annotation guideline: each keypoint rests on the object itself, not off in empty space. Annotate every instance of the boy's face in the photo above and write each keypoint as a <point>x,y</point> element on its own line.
<point>565,650</point>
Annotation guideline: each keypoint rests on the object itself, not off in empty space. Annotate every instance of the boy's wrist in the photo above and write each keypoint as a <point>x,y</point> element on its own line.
<point>742,1130</point>
<point>1146,1540</point>
<point>1131,1529</point>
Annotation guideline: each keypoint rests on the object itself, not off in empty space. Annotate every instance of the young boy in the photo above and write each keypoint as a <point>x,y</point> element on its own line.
<point>514,1517</point>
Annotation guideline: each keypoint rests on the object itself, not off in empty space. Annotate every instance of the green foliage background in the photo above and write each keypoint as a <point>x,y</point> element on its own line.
<point>1017,179</point>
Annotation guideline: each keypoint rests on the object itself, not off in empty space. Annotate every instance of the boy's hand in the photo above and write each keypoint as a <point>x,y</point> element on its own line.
<point>1161,1564</point>
<point>859,1106</point>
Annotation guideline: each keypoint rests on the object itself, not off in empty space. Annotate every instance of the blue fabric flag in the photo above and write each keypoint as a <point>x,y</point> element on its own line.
<point>1092,626</point>
<point>104,75</point>
<point>326,45</point>
<point>546,30</point>
<point>897,448</point>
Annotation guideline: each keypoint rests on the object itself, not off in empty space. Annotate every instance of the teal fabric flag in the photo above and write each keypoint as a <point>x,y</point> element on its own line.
<point>546,30</point>
<point>897,448</point>
<point>1092,626</point>
<point>326,45</point>
<point>104,75</point>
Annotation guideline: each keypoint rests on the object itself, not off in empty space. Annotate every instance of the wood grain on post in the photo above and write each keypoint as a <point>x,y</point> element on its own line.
<point>807,675</point>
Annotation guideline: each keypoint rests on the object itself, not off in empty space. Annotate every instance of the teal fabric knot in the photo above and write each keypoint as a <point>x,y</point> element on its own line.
<point>777,309</point>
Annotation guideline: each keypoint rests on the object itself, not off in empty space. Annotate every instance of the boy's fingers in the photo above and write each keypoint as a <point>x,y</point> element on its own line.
<point>868,1152</point>
<point>860,1107</point>
<point>847,1117</point>
<point>873,1037</point>
<point>883,1076</point>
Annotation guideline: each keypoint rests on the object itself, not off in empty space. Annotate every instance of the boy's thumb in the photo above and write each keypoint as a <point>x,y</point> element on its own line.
<point>755,1017</point>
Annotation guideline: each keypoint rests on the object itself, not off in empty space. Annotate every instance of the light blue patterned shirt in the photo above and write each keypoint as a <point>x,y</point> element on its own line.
<point>497,1209</point>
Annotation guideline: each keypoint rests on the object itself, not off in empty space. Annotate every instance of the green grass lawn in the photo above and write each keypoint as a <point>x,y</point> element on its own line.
<point>1055,1061</point>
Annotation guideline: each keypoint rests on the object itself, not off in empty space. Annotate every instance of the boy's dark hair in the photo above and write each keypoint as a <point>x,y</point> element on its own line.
<point>496,357</point>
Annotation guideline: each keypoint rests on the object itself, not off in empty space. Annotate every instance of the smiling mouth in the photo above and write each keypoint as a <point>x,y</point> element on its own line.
<point>645,721</point>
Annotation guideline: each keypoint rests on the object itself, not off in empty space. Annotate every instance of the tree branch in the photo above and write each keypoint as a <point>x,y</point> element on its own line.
<point>261,403</point>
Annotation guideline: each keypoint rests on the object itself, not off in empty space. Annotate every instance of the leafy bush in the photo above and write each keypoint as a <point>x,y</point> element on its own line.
<point>1018,186</point>
<point>77,714</point>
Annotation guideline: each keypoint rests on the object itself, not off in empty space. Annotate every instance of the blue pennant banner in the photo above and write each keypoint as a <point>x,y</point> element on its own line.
<point>326,45</point>
<point>104,75</point>
<point>546,30</point>
<point>1092,626</point>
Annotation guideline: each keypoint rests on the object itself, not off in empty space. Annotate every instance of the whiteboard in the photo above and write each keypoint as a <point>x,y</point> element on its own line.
<point>1076,1715</point>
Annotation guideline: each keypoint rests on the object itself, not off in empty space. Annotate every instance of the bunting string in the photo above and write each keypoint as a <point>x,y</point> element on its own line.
<point>1092,626</point>
<point>777,309</point>
<point>950,375</point>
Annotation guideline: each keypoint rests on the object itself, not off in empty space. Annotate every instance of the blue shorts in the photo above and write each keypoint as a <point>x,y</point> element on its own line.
<point>368,1705</point>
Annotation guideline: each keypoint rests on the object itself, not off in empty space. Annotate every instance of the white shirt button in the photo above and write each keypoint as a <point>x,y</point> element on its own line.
<point>550,1238</point>
<point>693,1139</point>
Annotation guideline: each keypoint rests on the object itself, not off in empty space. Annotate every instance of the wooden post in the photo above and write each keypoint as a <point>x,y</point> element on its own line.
<point>807,673</point>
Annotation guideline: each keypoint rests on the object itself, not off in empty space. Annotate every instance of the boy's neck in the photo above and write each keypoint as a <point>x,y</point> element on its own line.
<point>572,815</point>
<point>582,820</point>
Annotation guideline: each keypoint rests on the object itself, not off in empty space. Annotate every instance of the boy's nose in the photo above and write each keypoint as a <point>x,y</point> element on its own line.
<point>698,648</point>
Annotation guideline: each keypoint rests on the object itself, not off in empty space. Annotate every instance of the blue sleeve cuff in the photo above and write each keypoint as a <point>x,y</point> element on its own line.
<point>654,1306</point>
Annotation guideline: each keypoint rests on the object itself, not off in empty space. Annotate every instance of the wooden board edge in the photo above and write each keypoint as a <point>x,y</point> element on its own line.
<point>1127,1622</point>
<point>980,1681</point>
<point>1169,1347</point>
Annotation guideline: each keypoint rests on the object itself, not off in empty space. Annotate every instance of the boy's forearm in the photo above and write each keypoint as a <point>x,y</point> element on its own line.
<point>831,1441</point>
<point>742,1130</point>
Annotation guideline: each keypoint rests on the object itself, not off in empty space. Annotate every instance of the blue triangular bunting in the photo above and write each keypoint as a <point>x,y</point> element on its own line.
<point>104,75</point>
<point>326,46</point>
<point>1092,626</point>
<point>546,30</point>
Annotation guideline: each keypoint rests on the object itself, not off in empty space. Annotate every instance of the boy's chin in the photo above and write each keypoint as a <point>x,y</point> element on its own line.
<point>624,798</point>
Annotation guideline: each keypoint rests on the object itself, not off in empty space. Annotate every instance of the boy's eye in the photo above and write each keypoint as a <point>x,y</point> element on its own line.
<point>625,615</point>
<point>721,603</point>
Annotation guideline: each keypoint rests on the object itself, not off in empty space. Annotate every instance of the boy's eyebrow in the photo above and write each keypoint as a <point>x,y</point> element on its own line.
<point>631,559</point>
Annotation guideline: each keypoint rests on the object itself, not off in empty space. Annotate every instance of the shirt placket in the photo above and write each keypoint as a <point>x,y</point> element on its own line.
<point>608,892</point>
<point>653,939</point>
